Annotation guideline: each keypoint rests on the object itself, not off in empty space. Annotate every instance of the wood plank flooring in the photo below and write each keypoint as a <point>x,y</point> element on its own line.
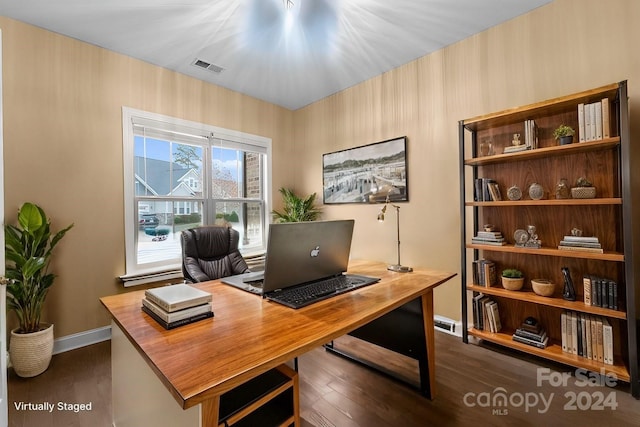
<point>335,392</point>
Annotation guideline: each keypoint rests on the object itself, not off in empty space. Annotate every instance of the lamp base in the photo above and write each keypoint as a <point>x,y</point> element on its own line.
<point>399,268</point>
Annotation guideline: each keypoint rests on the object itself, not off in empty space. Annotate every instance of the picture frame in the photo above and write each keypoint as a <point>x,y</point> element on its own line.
<point>372,173</point>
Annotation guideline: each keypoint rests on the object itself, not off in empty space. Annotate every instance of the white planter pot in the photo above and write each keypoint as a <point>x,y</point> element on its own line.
<point>30,354</point>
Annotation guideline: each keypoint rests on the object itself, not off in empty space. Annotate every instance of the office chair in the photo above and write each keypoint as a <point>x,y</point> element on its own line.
<point>211,252</point>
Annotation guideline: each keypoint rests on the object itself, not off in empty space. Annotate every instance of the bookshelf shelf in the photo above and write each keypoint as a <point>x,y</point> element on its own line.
<point>551,202</point>
<point>607,158</point>
<point>607,256</point>
<point>530,296</point>
<point>543,152</point>
<point>553,352</point>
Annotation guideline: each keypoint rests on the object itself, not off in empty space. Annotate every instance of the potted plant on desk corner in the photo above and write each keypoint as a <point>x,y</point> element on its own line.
<point>28,249</point>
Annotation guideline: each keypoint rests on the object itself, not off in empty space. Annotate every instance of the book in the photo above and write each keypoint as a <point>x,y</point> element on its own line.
<point>587,341</point>
<point>488,242</point>
<point>177,297</point>
<point>489,234</point>
<point>607,342</point>
<point>176,315</point>
<point>585,239</point>
<point>579,333</point>
<point>586,289</point>
<point>600,351</point>
<point>490,315</point>
<point>580,244</point>
<point>598,119</point>
<point>606,127</point>
<point>593,119</point>
<point>574,333</point>
<point>563,329</point>
<point>587,122</point>
<point>177,323</point>
<point>531,342</point>
<point>515,148</point>
<point>530,335</point>
<point>581,131</point>
<point>496,317</point>
<point>594,338</point>
<point>580,249</point>
<point>476,310</point>
<point>478,194</point>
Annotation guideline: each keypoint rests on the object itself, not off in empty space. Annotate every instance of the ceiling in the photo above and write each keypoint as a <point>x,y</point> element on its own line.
<point>289,58</point>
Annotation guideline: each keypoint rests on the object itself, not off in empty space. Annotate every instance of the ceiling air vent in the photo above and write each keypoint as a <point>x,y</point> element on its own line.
<point>207,66</point>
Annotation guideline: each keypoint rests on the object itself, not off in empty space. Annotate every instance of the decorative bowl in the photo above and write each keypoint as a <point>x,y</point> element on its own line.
<point>543,287</point>
<point>583,192</point>
<point>512,283</point>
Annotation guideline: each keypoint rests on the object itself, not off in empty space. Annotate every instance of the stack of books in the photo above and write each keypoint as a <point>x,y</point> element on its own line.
<point>177,305</point>
<point>489,238</point>
<point>579,243</point>
<point>531,333</point>
<point>587,336</point>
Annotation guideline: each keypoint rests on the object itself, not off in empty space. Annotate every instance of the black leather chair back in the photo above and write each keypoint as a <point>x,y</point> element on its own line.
<point>211,252</point>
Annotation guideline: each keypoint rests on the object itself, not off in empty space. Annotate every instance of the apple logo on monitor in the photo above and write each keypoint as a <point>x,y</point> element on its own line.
<point>315,252</point>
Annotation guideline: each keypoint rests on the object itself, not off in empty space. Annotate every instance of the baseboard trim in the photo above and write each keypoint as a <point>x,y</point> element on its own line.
<point>81,339</point>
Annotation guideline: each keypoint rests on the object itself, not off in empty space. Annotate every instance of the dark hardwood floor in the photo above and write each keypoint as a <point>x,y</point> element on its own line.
<point>337,392</point>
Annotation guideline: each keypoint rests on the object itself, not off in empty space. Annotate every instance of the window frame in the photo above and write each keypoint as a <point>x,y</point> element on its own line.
<point>135,273</point>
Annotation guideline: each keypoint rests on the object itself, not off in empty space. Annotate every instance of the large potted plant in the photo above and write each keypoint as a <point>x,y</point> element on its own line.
<point>296,209</point>
<point>28,249</point>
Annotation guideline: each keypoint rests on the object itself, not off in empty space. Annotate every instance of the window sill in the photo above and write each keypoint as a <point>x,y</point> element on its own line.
<point>129,280</point>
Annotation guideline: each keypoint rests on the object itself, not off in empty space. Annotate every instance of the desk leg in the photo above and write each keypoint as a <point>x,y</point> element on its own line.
<point>210,411</point>
<point>428,372</point>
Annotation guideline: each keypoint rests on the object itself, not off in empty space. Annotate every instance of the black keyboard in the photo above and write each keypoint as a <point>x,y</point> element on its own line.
<point>308,293</point>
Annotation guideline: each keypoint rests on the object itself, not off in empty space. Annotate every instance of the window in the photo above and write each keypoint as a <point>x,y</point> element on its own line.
<point>181,174</point>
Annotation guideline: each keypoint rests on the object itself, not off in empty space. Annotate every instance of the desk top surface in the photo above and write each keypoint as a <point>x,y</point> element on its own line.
<point>249,335</point>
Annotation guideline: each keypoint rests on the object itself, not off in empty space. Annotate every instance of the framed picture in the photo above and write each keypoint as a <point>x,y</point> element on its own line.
<point>367,174</point>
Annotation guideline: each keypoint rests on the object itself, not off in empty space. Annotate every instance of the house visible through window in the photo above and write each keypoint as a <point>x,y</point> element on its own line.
<point>180,175</point>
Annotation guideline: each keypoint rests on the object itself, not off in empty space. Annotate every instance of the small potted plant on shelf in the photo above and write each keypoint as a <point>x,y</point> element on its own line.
<point>564,134</point>
<point>512,279</point>
<point>583,189</point>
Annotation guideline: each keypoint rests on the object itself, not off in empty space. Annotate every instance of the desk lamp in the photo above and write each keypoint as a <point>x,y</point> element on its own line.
<point>396,267</point>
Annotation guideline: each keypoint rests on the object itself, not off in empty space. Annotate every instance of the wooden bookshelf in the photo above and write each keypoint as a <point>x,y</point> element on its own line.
<point>607,163</point>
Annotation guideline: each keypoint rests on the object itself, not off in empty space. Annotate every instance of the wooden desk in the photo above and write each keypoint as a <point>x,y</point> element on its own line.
<point>196,363</point>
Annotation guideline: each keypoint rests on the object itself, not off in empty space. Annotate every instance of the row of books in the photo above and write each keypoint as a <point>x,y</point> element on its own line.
<point>593,121</point>
<point>486,316</point>
<point>588,336</point>
<point>580,243</point>
<point>484,273</point>
<point>600,292</point>
<point>531,333</point>
<point>486,190</point>
<point>177,305</point>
